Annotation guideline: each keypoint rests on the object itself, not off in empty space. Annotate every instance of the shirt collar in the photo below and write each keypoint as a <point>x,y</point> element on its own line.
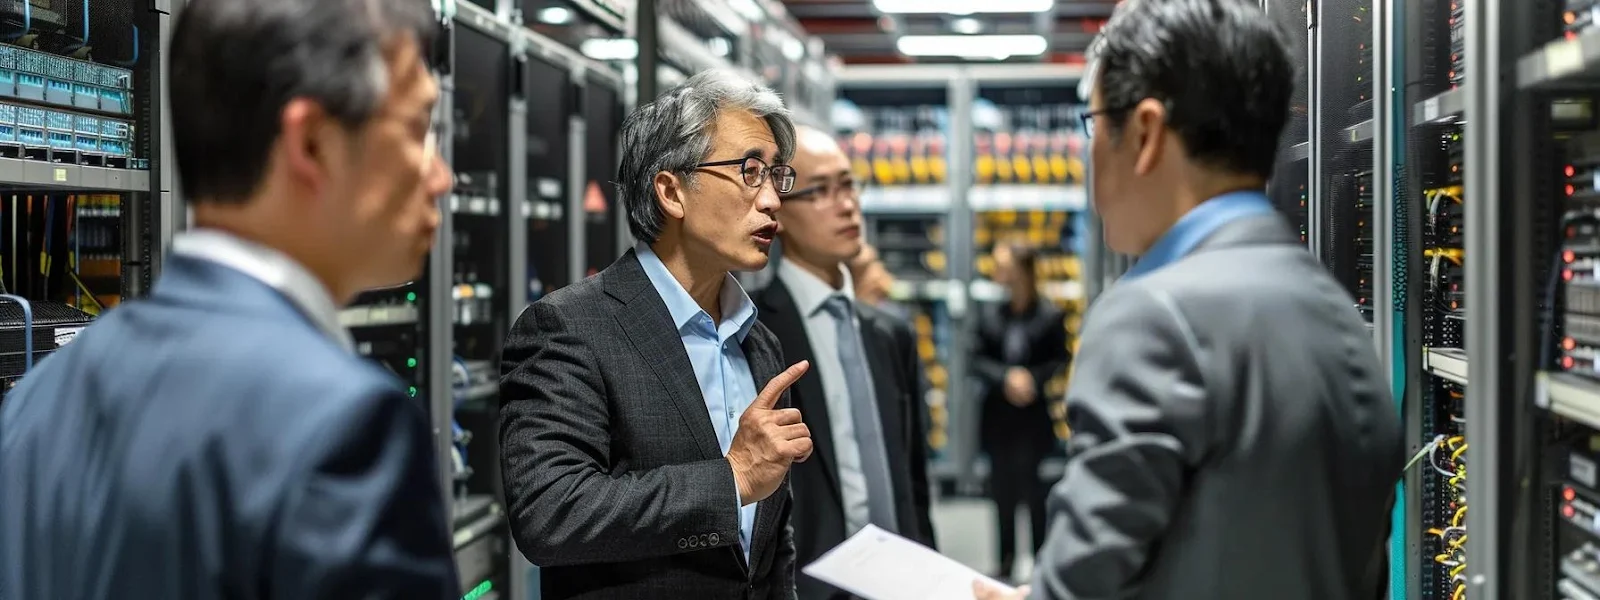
<point>1197,225</point>
<point>737,309</point>
<point>811,292</point>
<point>271,267</point>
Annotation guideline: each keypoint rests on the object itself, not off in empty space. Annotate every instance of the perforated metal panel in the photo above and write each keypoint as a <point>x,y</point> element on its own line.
<point>1345,136</point>
<point>1289,186</point>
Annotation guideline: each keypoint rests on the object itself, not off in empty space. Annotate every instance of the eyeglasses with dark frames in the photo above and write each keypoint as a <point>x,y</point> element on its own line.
<point>1088,116</point>
<point>756,171</point>
<point>833,190</point>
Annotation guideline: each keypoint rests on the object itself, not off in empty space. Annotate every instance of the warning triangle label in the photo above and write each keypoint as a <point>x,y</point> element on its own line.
<point>593,199</point>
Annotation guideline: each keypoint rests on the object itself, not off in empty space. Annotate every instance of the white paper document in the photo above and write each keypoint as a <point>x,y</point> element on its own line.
<point>877,565</point>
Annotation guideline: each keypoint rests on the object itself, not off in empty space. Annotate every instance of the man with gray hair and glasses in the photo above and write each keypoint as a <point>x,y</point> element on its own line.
<point>640,461</point>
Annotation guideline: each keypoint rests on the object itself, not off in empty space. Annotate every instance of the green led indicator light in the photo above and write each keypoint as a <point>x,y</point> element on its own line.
<point>412,390</point>
<point>411,296</point>
<point>411,363</point>
<point>479,591</point>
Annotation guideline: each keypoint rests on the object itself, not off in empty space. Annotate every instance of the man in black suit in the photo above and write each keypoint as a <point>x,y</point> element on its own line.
<point>1022,345</point>
<point>639,460</point>
<point>861,405</point>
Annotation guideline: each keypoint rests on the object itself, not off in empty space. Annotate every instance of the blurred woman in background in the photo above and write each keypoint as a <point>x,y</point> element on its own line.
<point>1021,345</point>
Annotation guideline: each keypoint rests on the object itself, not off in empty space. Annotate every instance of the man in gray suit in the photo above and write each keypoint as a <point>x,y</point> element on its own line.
<point>1233,435</point>
<point>639,460</point>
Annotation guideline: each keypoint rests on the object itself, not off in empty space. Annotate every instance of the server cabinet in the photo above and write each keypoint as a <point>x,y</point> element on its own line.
<point>550,118</point>
<point>485,101</point>
<point>1539,240</point>
<point>85,208</point>
<point>1290,187</point>
<point>1342,166</point>
<point>602,116</point>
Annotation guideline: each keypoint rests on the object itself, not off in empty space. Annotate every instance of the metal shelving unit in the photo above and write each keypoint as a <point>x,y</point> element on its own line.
<point>939,271</point>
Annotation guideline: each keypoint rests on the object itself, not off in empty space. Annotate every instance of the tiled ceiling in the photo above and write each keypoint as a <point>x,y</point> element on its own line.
<point>858,33</point>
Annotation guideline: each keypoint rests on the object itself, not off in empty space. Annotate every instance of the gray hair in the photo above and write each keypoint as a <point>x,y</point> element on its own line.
<point>673,134</point>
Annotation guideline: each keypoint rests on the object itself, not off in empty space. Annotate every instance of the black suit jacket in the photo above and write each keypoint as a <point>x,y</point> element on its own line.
<point>1047,356</point>
<point>818,521</point>
<point>614,479</point>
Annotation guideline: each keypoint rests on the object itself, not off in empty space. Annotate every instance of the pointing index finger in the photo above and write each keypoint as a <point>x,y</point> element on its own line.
<point>768,398</point>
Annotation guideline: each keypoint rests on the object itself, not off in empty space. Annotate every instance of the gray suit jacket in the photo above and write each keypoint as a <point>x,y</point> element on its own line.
<point>1233,435</point>
<point>614,479</point>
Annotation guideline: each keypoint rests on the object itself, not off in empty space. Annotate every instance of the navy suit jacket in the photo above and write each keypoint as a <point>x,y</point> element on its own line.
<point>210,442</point>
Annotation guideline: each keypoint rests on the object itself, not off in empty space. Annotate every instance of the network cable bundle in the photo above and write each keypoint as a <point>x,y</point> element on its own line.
<point>1444,499</point>
<point>1443,253</point>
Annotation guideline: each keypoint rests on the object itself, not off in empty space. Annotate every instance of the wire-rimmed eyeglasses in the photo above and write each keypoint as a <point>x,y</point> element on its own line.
<point>755,172</point>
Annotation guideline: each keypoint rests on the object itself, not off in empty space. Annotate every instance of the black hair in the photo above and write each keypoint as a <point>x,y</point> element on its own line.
<point>235,64</point>
<point>1025,258</point>
<point>1221,68</point>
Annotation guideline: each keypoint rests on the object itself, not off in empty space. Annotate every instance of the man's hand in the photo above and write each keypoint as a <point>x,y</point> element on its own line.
<point>987,591</point>
<point>1020,390</point>
<point>769,440</point>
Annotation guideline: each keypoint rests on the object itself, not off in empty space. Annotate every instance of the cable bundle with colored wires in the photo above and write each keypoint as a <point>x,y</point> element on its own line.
<point>1446,455</point>
<point>39,250</point>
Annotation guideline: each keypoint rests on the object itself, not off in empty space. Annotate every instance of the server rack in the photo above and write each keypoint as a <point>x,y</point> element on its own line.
<point>1546,484</point>
<point>86,202</point>
<point>1290,187</point>
<point>533,210</point>
<point>1342,165</point>
<point>473,283</point>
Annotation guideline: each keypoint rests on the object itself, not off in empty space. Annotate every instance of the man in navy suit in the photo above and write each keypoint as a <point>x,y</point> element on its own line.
<point>220,438</point>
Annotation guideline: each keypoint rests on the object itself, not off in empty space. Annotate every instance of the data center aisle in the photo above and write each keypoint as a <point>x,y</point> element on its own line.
<point>965,530</point>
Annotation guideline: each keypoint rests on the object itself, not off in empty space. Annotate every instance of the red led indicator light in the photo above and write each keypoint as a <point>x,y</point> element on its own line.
<point>1570,170</point>
<point>1568,494</point>
<point>1566,274</point>
<point>1568,256</point>
<point>1568,344</point>
<point>1566,362</point>
<point>1566,511</point>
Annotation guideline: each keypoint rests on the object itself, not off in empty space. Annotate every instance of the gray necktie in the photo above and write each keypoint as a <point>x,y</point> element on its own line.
<point>864,413</point>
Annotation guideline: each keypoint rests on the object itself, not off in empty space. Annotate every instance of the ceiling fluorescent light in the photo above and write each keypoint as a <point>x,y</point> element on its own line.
<point>609,49</point>
<point>998,47</point>
<point>967,25</point>
<point>962,7</point>
<point>555,15</point>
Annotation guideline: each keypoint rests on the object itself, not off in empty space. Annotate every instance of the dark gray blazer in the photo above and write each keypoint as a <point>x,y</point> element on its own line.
<point>1233,435</point>
<point>613,476</point>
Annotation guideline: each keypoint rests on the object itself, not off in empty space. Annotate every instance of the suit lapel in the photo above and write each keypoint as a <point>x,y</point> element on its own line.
<point>654,336</point>
<point>764,365</point>
<point>786,322</point>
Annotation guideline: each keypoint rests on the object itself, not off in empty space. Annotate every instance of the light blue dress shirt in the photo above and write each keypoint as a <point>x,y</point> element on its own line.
<point>1197,225</point>
<point>719,363</point>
